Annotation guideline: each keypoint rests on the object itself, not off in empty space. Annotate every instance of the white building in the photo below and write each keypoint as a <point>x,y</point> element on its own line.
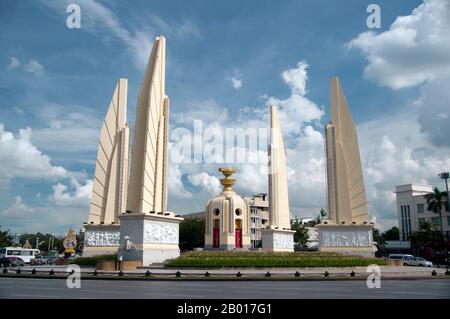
<point>412,210</point>
<point>259,217</point>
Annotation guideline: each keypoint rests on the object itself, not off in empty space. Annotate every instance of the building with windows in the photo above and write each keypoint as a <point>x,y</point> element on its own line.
<point>412,210</point>
<point>259,217</point>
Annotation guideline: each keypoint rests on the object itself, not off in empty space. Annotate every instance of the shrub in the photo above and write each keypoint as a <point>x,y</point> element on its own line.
<point>269,260</point>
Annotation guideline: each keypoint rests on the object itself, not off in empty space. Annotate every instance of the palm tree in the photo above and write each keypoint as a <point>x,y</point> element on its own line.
<point>436,201</point>
<point>6,238</point>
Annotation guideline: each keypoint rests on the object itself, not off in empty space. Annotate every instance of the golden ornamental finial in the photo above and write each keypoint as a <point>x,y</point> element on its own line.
<point>227,182</point>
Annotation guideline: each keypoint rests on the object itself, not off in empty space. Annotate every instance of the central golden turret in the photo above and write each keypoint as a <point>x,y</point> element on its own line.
<point>227,182</point>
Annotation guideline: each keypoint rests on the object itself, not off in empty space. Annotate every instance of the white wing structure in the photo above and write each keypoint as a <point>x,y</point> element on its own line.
<point>148,188</point>
<point>111,169</point>
<point>346,194</point>
<point>278,187</point>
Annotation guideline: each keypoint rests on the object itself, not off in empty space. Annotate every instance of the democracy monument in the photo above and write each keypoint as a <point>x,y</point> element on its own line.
<point>128,209</point>
<point>348,229</point>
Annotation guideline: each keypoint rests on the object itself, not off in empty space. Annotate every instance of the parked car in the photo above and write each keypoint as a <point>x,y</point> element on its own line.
<point>11,262</point>
<point>403,257</point>
<point>421,262</point>
<point>39,260</point>
<point>410,260</point>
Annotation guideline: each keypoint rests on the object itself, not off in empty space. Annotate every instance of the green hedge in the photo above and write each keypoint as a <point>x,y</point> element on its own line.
<point>92,261</point>
<point>269,260</point>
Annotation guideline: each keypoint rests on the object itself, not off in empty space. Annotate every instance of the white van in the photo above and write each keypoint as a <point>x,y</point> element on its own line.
<point>23,253</point>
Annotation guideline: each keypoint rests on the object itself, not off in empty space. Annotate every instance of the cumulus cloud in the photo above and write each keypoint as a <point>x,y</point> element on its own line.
<point>414,50</point>
<point>78,127</point>
<point>296,78</point>
<point>296,110</point>
<point>206,181</point>
<point>73,195</point>
<point>18,209</point>
<point>235,79</point>
<point>236,82</point>
<point>34,66</point>
<point>395,151</point>
<point>434,112</point>
<point>14,63</point>
<point>174,183</point>
<point>20,158</point>
<point>300,119</point>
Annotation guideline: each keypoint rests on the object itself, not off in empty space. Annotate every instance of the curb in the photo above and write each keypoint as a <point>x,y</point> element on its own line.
<point>197,278</point>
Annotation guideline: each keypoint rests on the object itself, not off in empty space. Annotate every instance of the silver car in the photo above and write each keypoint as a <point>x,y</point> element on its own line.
<point>419,261</point>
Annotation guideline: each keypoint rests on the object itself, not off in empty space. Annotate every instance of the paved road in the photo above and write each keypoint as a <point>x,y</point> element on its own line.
<point>56,288</point>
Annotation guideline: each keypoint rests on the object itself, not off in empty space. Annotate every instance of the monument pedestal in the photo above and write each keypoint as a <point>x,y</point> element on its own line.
<point>101,239</point>
<point>277,240</point>
<point>148,238</point>
<point>346,239</point>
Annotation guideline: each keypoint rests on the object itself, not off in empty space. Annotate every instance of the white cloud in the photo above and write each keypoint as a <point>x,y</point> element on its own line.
<point>78,128</point>
<point>14,63</point>
<point>207,111</point>
<point>414,50</point>
<point>20,158</point>
<point>138,39</point>
<point>47,218</point>
<point>235,79</point>
<point>297,109</point>
<point>394,152</point>
<point>300,119</point>
<point>18,209</point>
<point>206,181</point>
<point>34,66</point>
<point>175,185</point>
<point>434,111</point>
<point>236,82</point>
<point>75,195</point>
<point>296,78</point>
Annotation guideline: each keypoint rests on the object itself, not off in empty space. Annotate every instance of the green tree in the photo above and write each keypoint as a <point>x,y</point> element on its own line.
<point>6,238</point>
<point>426,237</point>
<point>426,226</point>
<point>392,234</point>
<point>437,201</point>
<point>319,218</point>
<point>192,233</point>
<point>301,233</point>
<point>44,240</point>
<point>378,238</point>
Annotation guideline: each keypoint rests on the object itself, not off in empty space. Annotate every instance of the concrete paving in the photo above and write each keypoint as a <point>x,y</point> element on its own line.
<point>56,288</point>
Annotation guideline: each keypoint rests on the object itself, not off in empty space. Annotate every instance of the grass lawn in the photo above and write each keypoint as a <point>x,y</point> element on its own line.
<point>231,259</point>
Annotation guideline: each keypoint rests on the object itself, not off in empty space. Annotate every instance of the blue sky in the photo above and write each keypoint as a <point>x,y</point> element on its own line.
<point>56,84</point>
